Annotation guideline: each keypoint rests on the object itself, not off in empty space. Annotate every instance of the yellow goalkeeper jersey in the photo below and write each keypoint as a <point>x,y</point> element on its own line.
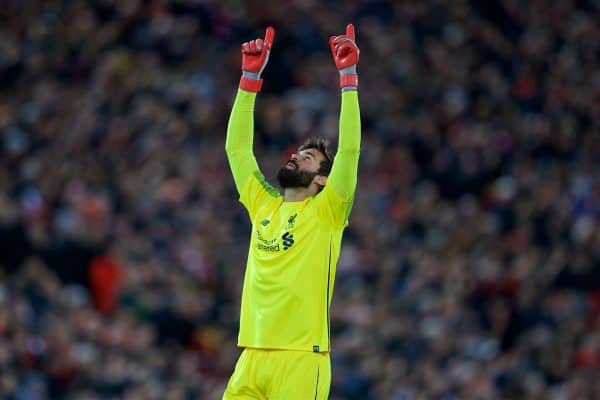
<point>294,246</point>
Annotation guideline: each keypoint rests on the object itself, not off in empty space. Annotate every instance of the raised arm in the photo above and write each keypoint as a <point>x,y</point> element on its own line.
<point>240,130</point>
<point>344,171</point>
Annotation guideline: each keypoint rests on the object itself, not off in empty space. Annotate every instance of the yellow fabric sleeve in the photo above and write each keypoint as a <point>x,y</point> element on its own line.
<point>336,199</point>
<point>344,171</point>
<point>240,136</point>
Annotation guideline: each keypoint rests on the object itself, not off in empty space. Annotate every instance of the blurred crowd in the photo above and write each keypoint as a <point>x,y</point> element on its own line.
<point>471,265</point>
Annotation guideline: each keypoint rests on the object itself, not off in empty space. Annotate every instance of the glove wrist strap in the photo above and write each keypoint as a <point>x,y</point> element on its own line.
<point>250,85</point>
<point>348,81</point>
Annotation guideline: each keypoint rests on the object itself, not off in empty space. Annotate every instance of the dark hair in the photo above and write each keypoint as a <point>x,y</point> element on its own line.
<point>322,145</point>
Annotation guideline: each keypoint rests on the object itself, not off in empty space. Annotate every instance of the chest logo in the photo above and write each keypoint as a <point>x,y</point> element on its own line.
<point>265,222</point>
<point>291,221</point>
<point>288,240</point>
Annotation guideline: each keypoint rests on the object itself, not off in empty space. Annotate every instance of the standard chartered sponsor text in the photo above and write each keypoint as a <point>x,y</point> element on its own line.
<point>272,248</point>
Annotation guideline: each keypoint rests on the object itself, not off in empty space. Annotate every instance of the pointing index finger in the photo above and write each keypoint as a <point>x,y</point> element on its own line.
<point>350,31</point>
<point>269,36</point>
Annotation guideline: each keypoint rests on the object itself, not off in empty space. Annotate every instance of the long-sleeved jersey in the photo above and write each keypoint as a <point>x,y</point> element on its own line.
<point>294,247</point>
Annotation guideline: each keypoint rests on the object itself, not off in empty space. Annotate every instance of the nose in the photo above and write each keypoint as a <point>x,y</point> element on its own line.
<point>294,157</point>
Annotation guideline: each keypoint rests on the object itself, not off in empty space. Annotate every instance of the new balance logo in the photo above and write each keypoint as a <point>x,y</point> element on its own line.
<point>288,240</point>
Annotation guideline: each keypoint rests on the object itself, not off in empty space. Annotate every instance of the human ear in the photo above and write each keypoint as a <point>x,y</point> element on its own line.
<point>320,180</point>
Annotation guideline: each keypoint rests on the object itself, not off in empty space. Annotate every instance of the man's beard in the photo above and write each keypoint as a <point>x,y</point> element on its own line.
<point>292,178</point>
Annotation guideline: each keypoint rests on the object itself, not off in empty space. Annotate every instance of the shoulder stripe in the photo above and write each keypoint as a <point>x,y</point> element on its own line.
<point>270,189</point>
<point>317,385</point>
<point>349,209</point>
<point>327,297</point>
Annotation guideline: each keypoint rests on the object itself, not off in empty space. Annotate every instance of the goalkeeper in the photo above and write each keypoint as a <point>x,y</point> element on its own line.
<point>295,241</point>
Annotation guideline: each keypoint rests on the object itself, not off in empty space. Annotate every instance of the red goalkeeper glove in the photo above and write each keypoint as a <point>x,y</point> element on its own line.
<point>255,55</point>
<point>345,53</point>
